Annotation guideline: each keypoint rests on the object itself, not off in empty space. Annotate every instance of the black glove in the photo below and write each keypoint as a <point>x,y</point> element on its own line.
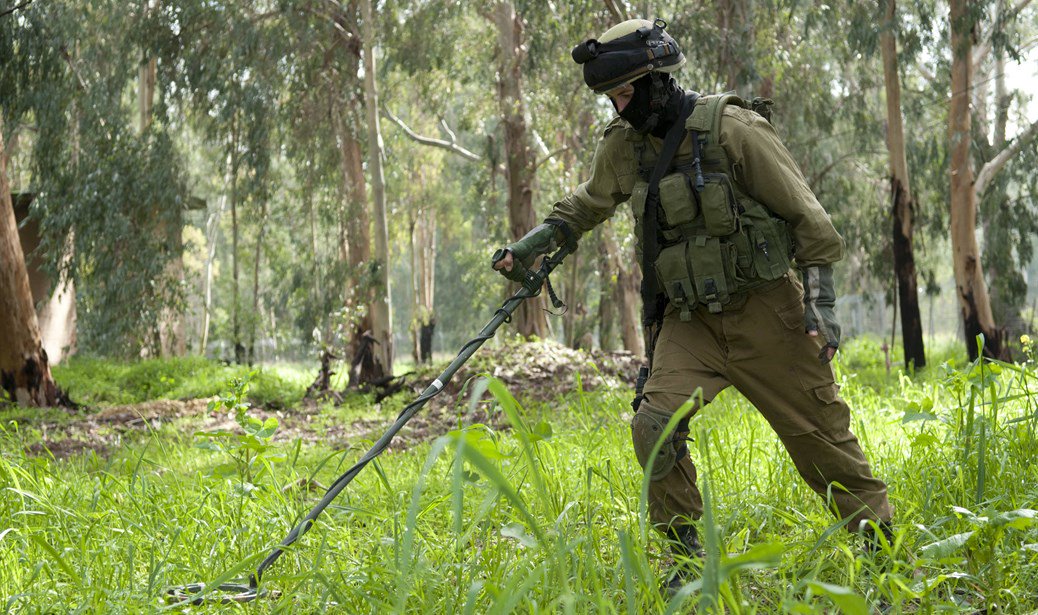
<point>820,306</point>
<point>541,240</point>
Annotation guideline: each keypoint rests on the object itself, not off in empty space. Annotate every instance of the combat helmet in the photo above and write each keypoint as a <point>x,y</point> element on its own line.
<point>627,51</point>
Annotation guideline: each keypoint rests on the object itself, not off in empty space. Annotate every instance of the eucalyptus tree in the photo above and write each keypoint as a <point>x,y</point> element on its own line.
<point>24,369</point>
<point>967,189</point>
<point>107,196</point>
<point>1006,182</point>
<point>382,326</point>
<point>902,202</point>
<point>228,81</point>
<point>326,135</point>
<point>602,278</point>
<point>520,163</point>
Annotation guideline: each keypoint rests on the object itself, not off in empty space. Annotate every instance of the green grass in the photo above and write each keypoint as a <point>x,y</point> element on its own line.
<point>542,515</point>
<point>96,382</point>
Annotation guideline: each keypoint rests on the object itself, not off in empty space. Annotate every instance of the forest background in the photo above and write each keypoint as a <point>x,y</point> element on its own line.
<point>266,180</point>
<point>317,186</point>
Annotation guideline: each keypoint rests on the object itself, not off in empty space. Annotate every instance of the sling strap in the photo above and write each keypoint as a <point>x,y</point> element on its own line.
<point>651,308</point>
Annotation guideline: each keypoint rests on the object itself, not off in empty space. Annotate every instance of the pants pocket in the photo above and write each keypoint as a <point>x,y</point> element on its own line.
<point>801,350</point>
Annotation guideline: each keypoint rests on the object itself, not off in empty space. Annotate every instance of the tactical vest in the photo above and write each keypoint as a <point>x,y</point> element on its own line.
<point>715,240</point>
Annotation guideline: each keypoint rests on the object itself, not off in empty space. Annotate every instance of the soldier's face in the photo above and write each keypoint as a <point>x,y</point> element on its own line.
<point>621,96</point>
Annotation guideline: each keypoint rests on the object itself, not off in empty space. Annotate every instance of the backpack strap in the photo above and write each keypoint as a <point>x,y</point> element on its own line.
<point>706,117</point>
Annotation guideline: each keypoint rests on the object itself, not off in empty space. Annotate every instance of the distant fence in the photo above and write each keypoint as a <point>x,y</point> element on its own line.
<point>869,313</point>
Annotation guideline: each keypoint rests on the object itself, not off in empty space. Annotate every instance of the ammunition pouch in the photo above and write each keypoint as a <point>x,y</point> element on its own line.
<point>714,245</point>
<point>714,241</point>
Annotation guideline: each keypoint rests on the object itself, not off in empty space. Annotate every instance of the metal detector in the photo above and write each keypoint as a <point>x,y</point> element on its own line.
<point>532,281</point>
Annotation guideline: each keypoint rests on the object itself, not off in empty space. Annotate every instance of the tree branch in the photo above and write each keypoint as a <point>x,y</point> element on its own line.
<point>447,129</point>
<point>1019,6</point>
<point>992,167</point>
<point>819,176</point>
<point>550,156</point>
<point>926,73</point>
<point>616,8</point>
<point>451,146</point>
<point>15,8</point>
<point>982,50</point>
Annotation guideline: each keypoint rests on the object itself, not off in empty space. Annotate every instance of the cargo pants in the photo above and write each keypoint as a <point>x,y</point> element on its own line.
<point>758,345</point>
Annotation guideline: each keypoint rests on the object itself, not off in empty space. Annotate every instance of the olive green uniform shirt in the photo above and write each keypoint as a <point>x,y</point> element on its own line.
<point>761,166</point>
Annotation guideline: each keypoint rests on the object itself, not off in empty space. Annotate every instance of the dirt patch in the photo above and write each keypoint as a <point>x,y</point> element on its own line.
<point>539,371</point>
<point>162,409</point>
<point>67,447</point>
<point>533,372</point>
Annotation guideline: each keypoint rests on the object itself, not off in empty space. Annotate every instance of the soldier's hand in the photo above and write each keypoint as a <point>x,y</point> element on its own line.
<point>505,262</point>
<point>514,260</point>
<point>829,351</point>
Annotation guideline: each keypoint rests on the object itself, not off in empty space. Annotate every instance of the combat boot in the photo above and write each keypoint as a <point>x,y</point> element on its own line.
<point>688,557</point>
<point>873,544</point>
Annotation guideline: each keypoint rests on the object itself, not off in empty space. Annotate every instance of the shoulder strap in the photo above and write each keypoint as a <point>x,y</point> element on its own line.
<point>650,245</point>
<point>706,117</point>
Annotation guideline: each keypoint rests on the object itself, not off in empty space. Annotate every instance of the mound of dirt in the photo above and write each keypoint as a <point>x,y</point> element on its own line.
<point>539,371</point>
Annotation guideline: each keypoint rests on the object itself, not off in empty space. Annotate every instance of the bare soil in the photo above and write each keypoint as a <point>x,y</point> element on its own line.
<point>533,372</point>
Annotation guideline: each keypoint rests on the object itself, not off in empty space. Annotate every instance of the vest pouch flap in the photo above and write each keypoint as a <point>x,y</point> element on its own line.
<point>713,270</point>
<point>770,242</point>
<point>678,201</point>
<point>717,198</point>
<point>675,278</point>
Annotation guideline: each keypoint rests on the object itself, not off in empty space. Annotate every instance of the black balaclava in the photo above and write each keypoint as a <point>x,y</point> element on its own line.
<point>655,104</point>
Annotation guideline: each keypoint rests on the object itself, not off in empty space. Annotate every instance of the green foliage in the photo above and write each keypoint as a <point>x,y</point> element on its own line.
<point>104,382</point>
<point>125,234</point>
<point>525,506</point>
<point>251,453</point>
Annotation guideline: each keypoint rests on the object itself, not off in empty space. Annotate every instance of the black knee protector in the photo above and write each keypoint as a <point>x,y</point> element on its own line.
<point>646,428</point>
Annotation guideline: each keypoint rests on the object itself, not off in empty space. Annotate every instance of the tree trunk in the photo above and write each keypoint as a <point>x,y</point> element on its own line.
<point>381,309</point>
<point>627,293</point>
<point>358,238</point>
<point>971,289</point>
<point>24,370</point>
<point>172,340</point>
<point>519,160</point>
<point>146,92</point>
<point>255,320</point>
<point>55,303</point>
<point>423,269</point>
<point>212,233</point>
<point>239,349</point>
<point>902,202</point>
<point>735,25</point>
<point>571,319</point>
<point>355,224</point>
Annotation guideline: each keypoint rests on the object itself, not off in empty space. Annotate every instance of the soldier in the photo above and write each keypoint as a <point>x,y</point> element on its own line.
<point>722,215</point>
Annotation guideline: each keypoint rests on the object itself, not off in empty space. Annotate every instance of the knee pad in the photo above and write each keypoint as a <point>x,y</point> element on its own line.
<point>646,428</point>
